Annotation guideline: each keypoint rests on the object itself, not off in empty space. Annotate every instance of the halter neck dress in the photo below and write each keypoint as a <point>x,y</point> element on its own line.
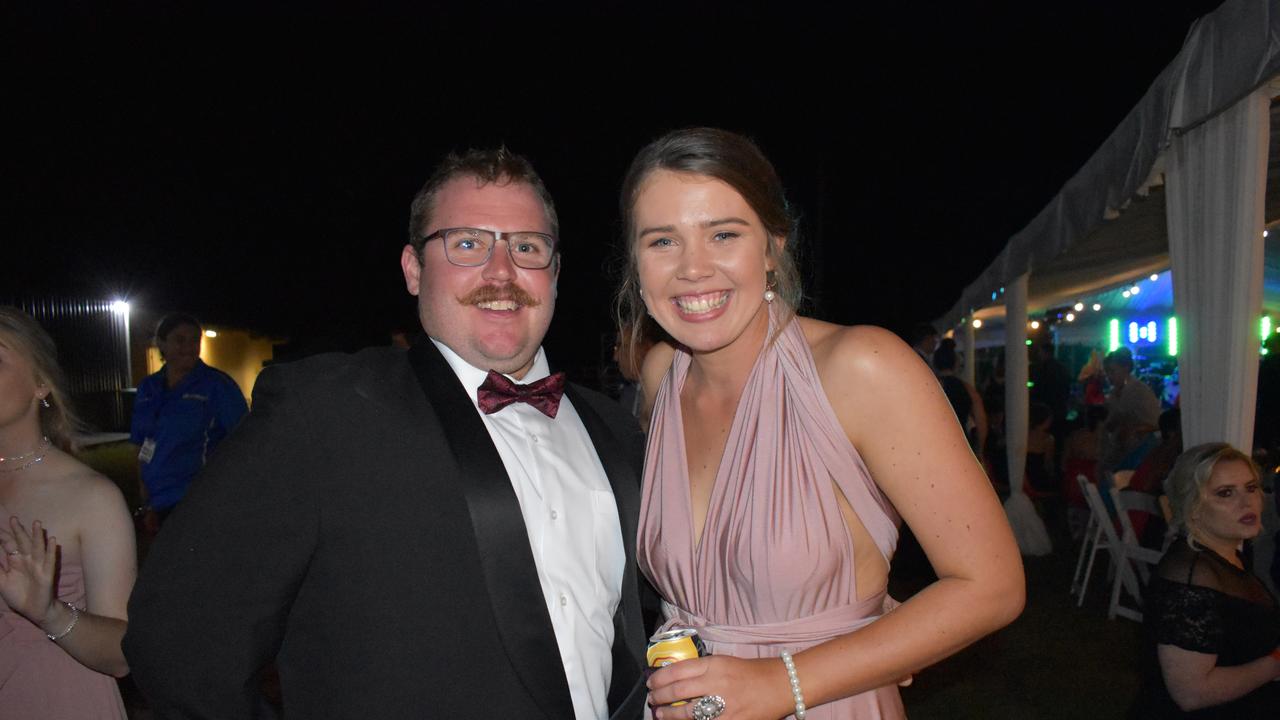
<point>775,568</point>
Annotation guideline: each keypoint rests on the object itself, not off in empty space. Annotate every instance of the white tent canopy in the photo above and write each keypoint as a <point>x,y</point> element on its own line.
<point>1202,128</point>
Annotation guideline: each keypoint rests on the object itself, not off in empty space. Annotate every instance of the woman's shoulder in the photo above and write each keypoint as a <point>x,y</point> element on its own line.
<point>656,363</point>
<point>654,367</point>
<point>860,352</point>
<point>79,486</point>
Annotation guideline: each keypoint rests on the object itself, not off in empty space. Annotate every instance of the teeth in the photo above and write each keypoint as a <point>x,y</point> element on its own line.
<point>498,305</point>
<point>695,304</point>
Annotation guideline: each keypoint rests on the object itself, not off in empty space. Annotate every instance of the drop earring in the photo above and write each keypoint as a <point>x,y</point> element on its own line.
<point>769,284</point>
<point>45,402</point>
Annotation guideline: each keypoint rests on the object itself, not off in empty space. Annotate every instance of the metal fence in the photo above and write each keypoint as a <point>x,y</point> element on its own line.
<point>93,348</point>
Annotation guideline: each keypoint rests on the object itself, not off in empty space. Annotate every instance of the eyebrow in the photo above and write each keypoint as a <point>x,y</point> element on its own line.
<point>705,224</point>
<point>725,221</point>
<point>661,229</point>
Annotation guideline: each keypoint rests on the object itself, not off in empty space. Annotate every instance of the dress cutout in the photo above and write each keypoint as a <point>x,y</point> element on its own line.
<point>40,681</point>
<point>774,570</point>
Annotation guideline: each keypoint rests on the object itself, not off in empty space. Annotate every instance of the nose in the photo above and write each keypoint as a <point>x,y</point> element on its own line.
<point>500,268</point>
<point>695,263</point>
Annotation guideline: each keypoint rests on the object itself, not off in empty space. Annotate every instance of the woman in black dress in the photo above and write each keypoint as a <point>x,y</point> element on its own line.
<point>1213,628</point>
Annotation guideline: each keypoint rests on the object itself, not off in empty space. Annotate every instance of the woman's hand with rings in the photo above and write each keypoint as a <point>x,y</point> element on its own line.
<point>28,573</point>
<point>750,689</point>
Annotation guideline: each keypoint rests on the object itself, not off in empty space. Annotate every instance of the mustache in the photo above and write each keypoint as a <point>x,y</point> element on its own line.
<point>489,293</point>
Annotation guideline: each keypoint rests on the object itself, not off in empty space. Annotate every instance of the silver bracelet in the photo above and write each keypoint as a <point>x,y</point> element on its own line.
<point>795,684</point>
<point>75,618</point>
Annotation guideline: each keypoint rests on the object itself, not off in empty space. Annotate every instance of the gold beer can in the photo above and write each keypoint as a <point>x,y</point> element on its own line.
<point>673,646</point>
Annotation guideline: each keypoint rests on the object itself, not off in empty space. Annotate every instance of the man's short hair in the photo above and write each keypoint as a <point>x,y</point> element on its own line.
<point>919,332</point>
<point>1120,357</point>
<point>499,166</point>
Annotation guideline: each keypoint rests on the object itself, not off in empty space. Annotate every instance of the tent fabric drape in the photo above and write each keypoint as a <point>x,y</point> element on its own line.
<point>1216,180</point>
<point>1228,54</point>
<point>1028,528</point>
<point>970,357</point>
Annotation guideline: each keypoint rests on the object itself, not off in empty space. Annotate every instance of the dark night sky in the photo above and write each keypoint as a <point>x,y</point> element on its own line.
<point>255,166</point>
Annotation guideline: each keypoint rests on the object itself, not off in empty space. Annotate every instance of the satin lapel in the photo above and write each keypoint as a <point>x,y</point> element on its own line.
<point>626,493</point>
<point>510,574</point>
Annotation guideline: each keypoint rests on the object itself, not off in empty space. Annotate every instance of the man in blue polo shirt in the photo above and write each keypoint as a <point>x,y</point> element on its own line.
<point>179,417</point>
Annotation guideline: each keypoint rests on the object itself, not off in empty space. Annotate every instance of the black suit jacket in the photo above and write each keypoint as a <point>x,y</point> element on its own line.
<point>359,528</point>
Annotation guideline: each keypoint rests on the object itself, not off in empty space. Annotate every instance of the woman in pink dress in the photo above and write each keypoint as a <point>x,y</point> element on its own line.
<point>783,452</point>
<point>67,562</point>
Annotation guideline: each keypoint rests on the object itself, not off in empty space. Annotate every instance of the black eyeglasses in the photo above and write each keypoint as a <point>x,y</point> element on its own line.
<point>472,247</point>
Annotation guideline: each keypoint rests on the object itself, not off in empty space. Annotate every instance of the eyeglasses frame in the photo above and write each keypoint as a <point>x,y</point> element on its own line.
<point>497,236</point>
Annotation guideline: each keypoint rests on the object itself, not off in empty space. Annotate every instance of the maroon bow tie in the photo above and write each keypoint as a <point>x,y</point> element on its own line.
<point>497,392</point>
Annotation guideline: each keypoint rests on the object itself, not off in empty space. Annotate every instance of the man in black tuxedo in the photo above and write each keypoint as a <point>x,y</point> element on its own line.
<point>425,533</point>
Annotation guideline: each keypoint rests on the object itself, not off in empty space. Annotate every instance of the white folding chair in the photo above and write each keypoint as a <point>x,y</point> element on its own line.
<point>1130,554</point>
<point>1095,538</point>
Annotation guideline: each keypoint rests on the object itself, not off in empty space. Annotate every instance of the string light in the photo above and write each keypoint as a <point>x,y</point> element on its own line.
<point>1078,306</point>
<point>1135,290</point>
<point>1097,307</point>
<point>1071,317</point>
<point>1155,277</point>
<point>977,323</point>
<point>1126,293</point>
<point>1035,324</point>
<point>211,333</point>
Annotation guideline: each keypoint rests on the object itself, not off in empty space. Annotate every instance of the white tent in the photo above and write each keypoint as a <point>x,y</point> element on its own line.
<point>1180,184</point>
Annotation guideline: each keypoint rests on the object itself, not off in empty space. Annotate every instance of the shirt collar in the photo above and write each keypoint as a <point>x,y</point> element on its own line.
<point>471,376</point>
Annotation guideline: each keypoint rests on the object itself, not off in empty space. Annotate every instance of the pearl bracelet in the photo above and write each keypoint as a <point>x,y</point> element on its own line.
<point>75,618</point>
<point>795,684</point>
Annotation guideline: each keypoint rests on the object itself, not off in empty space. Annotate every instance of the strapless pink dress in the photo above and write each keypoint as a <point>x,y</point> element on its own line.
<point>38,680</point>
<point>774,570</point>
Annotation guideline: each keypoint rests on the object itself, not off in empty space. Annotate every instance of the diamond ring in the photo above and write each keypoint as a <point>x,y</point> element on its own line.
<point>708,707</point>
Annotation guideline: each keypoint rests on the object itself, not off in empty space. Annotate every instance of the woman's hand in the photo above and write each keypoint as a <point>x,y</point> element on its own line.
<point>28,574</point>
<point>752,689</point>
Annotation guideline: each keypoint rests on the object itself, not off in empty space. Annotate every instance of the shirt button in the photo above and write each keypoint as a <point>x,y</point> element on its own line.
<point>554,514</point>
<point>563,601</point>
<point>534,438</point>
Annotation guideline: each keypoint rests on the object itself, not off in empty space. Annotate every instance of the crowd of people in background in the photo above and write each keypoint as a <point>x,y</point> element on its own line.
<point>1212,626</point>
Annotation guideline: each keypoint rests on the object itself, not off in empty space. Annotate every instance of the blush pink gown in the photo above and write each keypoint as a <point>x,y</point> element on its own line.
<point>774,570</point>
<point>39,681</point>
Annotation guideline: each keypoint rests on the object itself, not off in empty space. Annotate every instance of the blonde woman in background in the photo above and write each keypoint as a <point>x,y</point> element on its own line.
<point>68,560</point>
<point>1213,628</point>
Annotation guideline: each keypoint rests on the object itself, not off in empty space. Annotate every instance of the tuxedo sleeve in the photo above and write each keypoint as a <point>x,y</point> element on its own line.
<point>213,598</point>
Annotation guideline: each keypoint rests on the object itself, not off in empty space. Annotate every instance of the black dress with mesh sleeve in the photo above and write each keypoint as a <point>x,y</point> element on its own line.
<point>1200,602</point>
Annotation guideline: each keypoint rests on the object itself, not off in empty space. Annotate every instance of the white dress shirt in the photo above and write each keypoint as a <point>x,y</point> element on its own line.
<point>572,521</point>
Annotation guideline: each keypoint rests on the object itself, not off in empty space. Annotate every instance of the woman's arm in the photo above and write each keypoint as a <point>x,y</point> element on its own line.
<point>1195,681</point>
<point>897,416</point>
<point>979,418</point>
<point>895,413</point>
<point>108,561</point>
